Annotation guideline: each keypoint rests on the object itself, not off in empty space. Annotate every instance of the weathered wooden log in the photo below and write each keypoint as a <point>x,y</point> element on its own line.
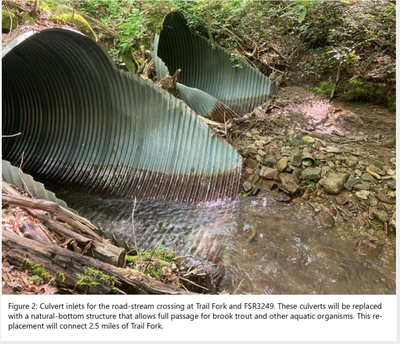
<point>103,251</point>
<point>80,273</point>
<point>75,221</point>
<point>33,231</point>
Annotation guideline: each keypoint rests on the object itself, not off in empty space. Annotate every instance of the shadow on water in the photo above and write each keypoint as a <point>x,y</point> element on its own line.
<point>265,247</point>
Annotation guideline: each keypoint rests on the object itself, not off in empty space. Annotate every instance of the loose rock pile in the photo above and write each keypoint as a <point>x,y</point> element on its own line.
<point>344,179</point>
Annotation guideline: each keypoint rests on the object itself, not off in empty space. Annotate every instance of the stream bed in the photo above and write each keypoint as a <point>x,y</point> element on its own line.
<point>265,247</point>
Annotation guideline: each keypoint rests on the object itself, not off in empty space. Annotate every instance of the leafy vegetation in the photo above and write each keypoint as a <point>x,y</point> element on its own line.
<point>325,88</point>
<point>93,277</point>
<point>320,39</point>
<point>38,270</point>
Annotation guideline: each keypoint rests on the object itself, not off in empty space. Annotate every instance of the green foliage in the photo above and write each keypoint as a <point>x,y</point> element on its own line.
<point>160,258</point>
<point>92,277</point>
<point>61,275</point>
<point>392,107</point>
<point>161,252</point>
<point>299,6</point>
<point>38,270</point>
<point>85,282</point>
<point>359,90</point>
<point>130,29</point>
<point>325,88</point>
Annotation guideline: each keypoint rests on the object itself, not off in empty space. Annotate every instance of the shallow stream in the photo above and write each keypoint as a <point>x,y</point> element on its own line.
<point>265,247</point>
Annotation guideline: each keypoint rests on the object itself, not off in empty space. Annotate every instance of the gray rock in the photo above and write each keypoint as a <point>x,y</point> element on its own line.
<point>268,161</point>
<point>352,162</point>
<point>367,177</point>
<point>361,185</point>
<point>255,178</point>
<point>250,163</point>
<point>325,170</point>
<point>331,149</point>
<point>375,169</point>
<point>392,184</point>
<point>282,197</point>
<point>268,173</point>
<point>334,182</point>
<point>311,173</point>
<point>247,186</point>
<point>279,122</point>
<point>296,157</point>
<point>308,139</point>
<point>296,140</point>
<point>331,164</point>
<point>392,222</point>
<point>325,219</point>
<point>380,215</point>
<point>296,176</point>
<point>383,198</point>
<point>363,194</point>
<point>288,184</point>
<point>282,164</point>
<point>349,183</point>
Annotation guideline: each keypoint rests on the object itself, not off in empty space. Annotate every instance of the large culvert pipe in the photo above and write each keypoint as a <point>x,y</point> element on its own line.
<point>86,124</point>
<point>208,67</point>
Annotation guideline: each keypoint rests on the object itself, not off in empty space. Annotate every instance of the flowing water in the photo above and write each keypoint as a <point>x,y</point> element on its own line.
<point>264,246</point>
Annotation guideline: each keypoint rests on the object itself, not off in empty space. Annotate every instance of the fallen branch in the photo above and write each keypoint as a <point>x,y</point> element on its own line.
<point>75,221</point>
<point>103,251</point>
<point>197,285</point>
<point>336,81</point>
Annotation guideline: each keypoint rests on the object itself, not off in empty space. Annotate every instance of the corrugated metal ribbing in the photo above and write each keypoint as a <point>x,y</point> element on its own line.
<point>205,104</point>
<point>201,102</point>
<point>85,124</point>
<point>12,175</point>
<point>209,68</point>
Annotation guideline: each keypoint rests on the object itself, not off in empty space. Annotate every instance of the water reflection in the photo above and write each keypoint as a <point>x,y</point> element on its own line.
<point>265,247</point>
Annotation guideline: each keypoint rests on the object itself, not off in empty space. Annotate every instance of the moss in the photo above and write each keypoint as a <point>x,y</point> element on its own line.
<point>28,18</point>
<point>6,20</point>
<point>129,63</point>
<point>296,140</point>
<point>390,143</point>
<point>358,90</point>
<point>81,24</point>
<point>85,282</point>
<point>162,256</point>
<point>377,164</point>
<point>90,271</point>
<point>392,107</point>
<point>37,269</point>
<point>325,88</point>
<point>42,6</point>
<point>61,275</point>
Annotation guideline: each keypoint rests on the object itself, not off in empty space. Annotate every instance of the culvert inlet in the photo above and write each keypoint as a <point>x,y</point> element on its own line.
<point>84,124</point>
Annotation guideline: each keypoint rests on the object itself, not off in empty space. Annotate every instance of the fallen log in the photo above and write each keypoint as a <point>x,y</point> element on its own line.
<point>34,231</point>
<point>70,270</point>
<point>75,221</point>
<point>103,251</point>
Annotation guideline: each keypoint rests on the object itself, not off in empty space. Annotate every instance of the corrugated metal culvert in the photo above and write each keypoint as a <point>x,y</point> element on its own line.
<point>209,67</point>
<point>86,124</point>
